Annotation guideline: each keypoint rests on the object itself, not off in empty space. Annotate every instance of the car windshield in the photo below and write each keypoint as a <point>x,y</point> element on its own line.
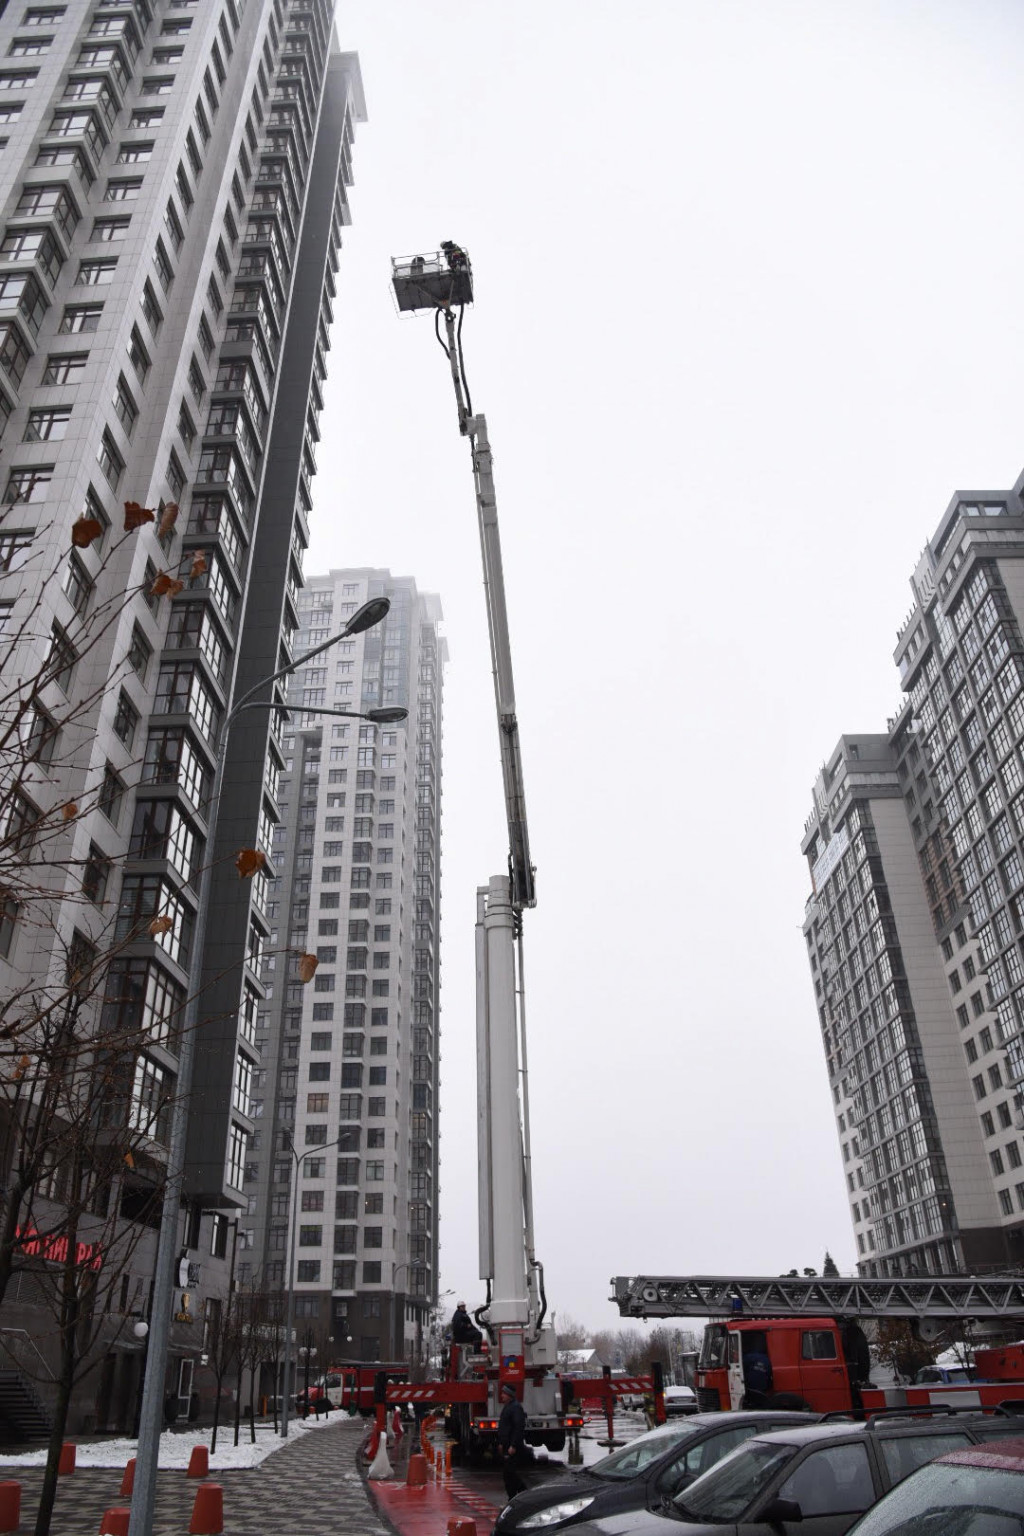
<point>950,1500</point>
<point>725,1493</point>
<point>639,1453</point>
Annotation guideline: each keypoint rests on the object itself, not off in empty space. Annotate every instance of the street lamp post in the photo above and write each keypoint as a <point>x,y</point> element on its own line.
<point>289,1326</point>
<point>151,1417</point>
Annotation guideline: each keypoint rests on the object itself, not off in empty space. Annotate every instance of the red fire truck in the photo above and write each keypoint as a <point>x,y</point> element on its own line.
<point>798,1342</point>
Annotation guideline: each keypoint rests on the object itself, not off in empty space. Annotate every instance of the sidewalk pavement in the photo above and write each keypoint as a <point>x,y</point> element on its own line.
<point>311,1485</point>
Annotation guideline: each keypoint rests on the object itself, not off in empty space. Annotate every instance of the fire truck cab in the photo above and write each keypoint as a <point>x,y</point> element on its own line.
<point>774,1362</point>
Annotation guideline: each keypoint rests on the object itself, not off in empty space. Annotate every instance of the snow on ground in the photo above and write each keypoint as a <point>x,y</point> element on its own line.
<point>176,1446</point>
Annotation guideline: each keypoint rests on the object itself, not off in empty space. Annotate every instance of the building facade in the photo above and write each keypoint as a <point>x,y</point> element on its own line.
<point>173,189</point>
<point>914,926</point>
<point>345,1099</point>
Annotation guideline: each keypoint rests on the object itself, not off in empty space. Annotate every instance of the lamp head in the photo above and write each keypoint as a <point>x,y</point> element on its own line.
<point>393,716</point>
<point>368,615</point>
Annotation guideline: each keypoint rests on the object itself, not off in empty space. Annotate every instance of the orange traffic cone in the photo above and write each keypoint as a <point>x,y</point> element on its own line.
<point>208,1511</point>
<point>199,1462</point>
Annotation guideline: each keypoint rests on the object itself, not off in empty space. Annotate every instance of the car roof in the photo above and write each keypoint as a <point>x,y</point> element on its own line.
<point>752,1416</point>
<point>912,1423</point>
<point>1005,1455</point>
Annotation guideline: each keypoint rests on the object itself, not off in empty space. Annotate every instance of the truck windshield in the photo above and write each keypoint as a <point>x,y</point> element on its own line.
<point>726,1492</point>
<point>639,1453</point>
<point>714,1347</point>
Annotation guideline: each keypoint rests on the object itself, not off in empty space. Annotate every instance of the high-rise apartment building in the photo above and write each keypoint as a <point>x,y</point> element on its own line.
<point>172,195</point>
<point>348,1074</point>
<point>914,926</point>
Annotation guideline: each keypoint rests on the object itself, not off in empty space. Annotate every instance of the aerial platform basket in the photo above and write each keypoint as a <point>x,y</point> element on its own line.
<point>429,281</point>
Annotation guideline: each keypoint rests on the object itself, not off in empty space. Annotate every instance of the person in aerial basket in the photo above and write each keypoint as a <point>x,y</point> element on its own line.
<point>464,1330</point>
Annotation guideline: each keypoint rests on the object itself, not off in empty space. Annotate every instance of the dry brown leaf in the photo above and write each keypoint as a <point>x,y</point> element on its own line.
<point>306,967</point>
<point>200,565</point>
<point>69,812</point>
<point>85,531</point>
<point>247,863</point>
<point>129,1160</point>
<point>160,925</point>
<point>135,516</point>
<point>168,518</point>
<point>166,586</point>
<point>21,1068</point>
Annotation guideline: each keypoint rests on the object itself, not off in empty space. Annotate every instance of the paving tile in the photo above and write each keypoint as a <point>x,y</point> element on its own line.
<point>311,1487</point>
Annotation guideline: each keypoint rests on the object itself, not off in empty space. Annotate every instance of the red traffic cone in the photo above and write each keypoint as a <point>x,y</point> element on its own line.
<point>128,1480</point>
<point>115,1521</point>
<point>66,1465</point>
<point>208,1511</point>
<point>199,1462</point>
<point>10,1506</point>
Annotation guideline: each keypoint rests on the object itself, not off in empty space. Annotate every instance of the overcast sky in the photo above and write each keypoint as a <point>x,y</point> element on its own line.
<point>749,312</point>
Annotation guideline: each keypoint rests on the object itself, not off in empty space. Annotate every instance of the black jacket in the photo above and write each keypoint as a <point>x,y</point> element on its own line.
<point>512,1427</point>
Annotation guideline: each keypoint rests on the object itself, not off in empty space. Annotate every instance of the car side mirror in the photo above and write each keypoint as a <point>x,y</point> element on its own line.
<point>781,1510</point>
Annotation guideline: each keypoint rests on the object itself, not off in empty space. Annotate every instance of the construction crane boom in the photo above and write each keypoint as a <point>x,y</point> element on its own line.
<point>932,1296</point>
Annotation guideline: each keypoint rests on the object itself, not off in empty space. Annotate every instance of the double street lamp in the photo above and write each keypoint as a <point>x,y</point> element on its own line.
<point>151,1417</point>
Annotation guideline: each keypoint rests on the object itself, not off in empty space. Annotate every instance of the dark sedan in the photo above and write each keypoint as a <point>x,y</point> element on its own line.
<point>810,1480</point>
<point>643,1473</point>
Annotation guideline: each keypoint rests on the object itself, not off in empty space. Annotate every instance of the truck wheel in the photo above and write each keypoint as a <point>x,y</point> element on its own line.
<point>554,1440</point>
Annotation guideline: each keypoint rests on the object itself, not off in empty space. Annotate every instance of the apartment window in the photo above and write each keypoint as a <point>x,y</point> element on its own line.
<point>165,271</point>
<point>47,424</point>
<point>123,191</point>
<point>181,181</point>
<point>172,224</point>
<point>28,47</point>
<point>110,461</point>
<point>146,117</point>
<point>28,485</point>
<point>111,795</point>
<point>1005,1203</point>
<point>78,585</point>
<point>80,319</point>
<point>150,308</point>
<point>157,85</point>
<point>176,481</point>
<point>206,341</point>
<point>134,154</point>
<point>138,355</point>
<point>140,653</point>
<point>96,875</point>
<point>17,80</point>
<point>213,294</point>
<point>109,230</point>
<point>126,720</point>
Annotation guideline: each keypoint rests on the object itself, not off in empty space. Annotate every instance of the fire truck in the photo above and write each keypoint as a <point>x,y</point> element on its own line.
<point>793,1342</point>
<point>519,1346</point>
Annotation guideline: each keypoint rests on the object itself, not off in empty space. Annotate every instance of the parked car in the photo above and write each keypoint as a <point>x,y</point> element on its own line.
<point>643,1473</point>
<point>809,1479</point>
<point>943,1375</point>
<point>324,1394</point>
<point>680,1400</point>
<point>975,1492</point>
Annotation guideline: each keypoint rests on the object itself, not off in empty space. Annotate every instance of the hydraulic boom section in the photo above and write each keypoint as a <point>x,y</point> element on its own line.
<point>922,1296</point>
<point>443,282</point>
